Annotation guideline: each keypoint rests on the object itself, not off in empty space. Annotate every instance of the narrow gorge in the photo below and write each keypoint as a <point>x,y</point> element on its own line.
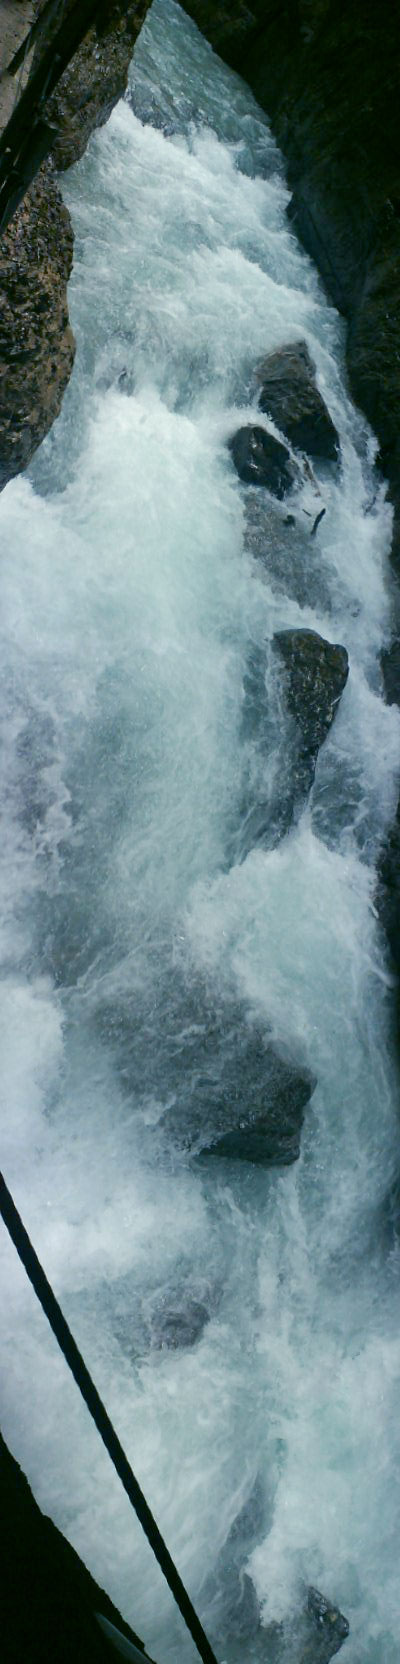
<point>200,780</point>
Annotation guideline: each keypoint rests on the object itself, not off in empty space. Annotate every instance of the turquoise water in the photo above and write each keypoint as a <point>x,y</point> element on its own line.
<point>138,578</point>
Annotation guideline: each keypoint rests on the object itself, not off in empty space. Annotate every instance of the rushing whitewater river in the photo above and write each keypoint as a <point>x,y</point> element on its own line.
<point>242,1324</point>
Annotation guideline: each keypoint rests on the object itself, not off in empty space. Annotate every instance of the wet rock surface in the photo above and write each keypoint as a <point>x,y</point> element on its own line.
<point>230,1596</point>
<point>260,459</point>
<point>243,1102</point>
<point>169,1318</point>
<point>317,674</point>
<point>37,346</point>
<point>36,342</point>
<point>287,549</point>
<point>328,1628</point>
<point>290,396</point>
<point>313,1636</point>
<point>231,1091</point>
<point>180,1325</point>
<point>95,79</point>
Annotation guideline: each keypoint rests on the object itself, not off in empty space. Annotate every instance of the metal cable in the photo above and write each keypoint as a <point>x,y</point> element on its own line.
<point>97,1410</point>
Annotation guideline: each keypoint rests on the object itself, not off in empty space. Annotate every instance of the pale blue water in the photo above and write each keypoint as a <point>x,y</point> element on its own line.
<point>132,598</point>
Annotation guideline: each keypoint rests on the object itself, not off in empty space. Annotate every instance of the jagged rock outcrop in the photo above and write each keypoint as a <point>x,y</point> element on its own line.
<point>49,1599</point>
<point>314,674</point>
<point>36,341</point>
<point>313,1636</point>
<point>328,1628</point>
<point>317,674</point>
<point>290,396</point>
<point>95,79</point>
<point>260,459</point>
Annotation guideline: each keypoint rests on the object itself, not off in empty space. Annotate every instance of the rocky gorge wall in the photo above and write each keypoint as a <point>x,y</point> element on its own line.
<point>36,341</point>
<point>328,82</point>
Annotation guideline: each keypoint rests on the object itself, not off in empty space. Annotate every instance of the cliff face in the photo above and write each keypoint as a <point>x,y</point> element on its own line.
<point>95,79</point>
<point>36,342</point>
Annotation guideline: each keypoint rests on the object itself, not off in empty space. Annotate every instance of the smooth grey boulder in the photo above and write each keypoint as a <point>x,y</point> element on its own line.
<point>290,396</point>
<point>260,459</point>
<point>245,1101</point>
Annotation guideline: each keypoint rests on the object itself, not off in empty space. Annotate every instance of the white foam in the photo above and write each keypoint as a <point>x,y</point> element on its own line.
<point>130,607</point>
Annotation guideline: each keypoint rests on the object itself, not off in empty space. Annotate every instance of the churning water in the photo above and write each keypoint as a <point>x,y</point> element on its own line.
<point>241,1324</point>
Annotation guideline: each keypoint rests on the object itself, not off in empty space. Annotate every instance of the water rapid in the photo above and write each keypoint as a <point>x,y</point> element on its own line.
<point>242,1324</point>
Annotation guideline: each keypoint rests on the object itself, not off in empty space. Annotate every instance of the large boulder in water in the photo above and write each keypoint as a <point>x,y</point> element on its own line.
<point>290,396</point>
<point>327,1629</point>
<point>260,459</point>
<point>244,1101</point>
<point>317,672</point>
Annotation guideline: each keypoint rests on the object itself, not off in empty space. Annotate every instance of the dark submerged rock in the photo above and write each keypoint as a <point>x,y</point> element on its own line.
<point>290,396</point>
<point>180,1324</point>
<point>221,1085</point>
<point>163,1318</point>
<point>245,1102</point>
<point>230,1600</point>
<point>260,459</point>
<point>283,545</point>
